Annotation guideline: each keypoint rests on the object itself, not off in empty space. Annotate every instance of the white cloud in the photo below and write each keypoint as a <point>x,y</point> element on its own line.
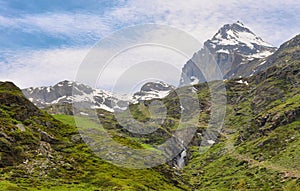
<point>201,18</point>
<point>45,67</point>
<point>140,63</point>
<point>72,25</point>
<point>275,21</point>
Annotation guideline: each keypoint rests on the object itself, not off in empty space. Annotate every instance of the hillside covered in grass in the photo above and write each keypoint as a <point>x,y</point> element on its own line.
<point>258,146</point>
<point>38,152</point>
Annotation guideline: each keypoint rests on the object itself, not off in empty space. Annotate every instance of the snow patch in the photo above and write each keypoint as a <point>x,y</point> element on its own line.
<point>57,100</point>
<point>85,114</point>
<point>194,80</point>
<point>243,82</point>
<point>263,54</point>
<point>223,51</point>
<point>262,63</point>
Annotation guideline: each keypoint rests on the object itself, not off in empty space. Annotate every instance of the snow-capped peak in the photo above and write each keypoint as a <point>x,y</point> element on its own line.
<point>235,48</point>
<point>237,34</point>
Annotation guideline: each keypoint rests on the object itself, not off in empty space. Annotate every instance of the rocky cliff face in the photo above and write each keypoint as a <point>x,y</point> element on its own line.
<point>235,49</point>
<point>23,127</point>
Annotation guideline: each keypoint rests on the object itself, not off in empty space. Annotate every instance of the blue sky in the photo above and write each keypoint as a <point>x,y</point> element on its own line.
<point>44,41</point>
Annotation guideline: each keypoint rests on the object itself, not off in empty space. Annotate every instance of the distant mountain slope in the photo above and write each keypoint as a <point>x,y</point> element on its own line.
<point>284,54</point>
<point>70,92</point>
<point>67,92</point>
<point>236,50</point>
<point>287,52</point>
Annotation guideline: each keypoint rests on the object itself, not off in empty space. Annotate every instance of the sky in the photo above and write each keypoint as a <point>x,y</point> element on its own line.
<point>43,42</point>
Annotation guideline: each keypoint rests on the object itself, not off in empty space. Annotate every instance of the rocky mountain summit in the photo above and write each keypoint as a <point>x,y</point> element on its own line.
<point>234,48</point>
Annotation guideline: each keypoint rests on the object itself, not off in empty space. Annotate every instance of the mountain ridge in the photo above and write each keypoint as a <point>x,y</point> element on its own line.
<point>68,92</point>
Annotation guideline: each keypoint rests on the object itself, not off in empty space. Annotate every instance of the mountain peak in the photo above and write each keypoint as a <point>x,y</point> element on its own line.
<point>237,27</point>
<point>236,50</point>
<point>239,23</point>
<point>237,34</point>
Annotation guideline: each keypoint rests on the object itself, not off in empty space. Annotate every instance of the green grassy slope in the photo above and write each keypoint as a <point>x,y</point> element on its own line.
<point>259,146</point>
<point>39,152</point>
